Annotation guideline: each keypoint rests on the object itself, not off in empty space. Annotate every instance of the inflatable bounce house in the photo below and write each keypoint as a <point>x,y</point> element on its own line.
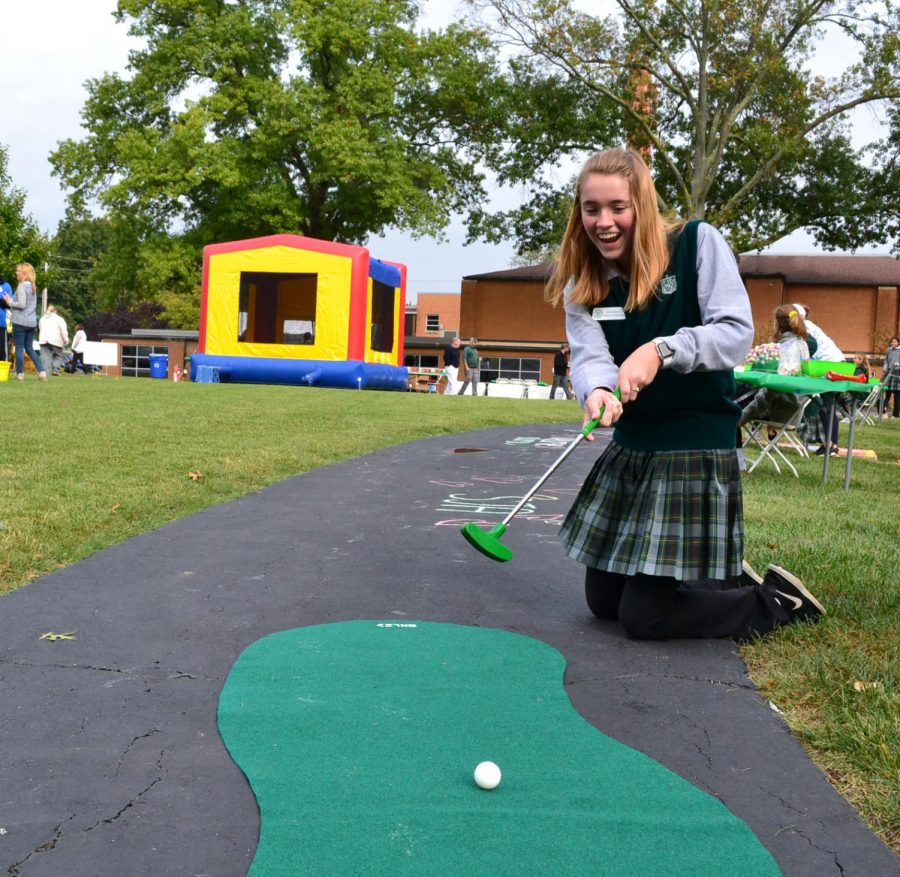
<point>286,309</point>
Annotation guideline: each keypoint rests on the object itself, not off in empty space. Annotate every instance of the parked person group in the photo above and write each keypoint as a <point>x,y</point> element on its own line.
<point>23,304</point>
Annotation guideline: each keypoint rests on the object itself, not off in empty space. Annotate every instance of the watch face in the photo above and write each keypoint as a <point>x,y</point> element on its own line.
<point>665,351</point>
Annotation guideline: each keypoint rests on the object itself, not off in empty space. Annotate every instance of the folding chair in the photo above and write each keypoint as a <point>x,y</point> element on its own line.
<point>787,431</point>
<point>864,411</point>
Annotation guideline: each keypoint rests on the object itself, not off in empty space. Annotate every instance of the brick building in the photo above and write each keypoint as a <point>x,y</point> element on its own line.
<point>853,298</point>
<point>517,331</point>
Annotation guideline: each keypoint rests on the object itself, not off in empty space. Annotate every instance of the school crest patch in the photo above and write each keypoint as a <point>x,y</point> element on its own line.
<point>668,284</point>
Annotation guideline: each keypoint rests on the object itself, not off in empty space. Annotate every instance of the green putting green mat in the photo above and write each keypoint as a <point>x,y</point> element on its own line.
<point>359,740</point>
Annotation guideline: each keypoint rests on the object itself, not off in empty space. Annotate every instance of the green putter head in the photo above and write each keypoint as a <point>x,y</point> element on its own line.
<point>487,542</point>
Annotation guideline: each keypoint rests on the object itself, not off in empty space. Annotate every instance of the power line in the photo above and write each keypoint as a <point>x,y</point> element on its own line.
<point>73,259</point>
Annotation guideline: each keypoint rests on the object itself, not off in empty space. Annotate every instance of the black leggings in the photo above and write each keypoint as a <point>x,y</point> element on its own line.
<point>887,401</point>
<point>658,607</point>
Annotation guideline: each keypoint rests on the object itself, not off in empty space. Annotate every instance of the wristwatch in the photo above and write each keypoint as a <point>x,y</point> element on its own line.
<point>665,353</point>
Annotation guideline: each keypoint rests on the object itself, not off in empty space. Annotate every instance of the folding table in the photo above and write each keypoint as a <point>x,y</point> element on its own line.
<point>807,386</point>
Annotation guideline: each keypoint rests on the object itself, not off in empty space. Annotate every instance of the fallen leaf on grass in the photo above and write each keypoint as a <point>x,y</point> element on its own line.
<point>116,507</point>
<point>862,686</point>
<point>195,476</point>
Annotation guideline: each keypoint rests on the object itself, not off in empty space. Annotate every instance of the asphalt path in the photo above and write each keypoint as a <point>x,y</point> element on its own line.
<point>111,762</point>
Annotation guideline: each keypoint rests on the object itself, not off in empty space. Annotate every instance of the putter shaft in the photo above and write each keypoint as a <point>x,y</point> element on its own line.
<point>574,444</point>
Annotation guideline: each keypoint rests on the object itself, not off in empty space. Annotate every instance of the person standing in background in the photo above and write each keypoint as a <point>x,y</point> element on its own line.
<point>78,343</point>
<point>892,361</point>
<point>451,366</point>
<point>24,319</point>
<point>53,336</point>
<point>473,369</point>
<point>560,370</point>
<point>5,296</point>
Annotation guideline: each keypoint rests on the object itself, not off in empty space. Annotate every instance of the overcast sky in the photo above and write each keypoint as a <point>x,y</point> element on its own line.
<point>59,45</point>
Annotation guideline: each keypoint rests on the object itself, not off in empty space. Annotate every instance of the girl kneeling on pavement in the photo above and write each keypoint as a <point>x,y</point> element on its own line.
<point>657,309</point>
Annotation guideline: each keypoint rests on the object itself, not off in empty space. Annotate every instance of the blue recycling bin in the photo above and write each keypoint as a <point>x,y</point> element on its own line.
<point>159,365</point>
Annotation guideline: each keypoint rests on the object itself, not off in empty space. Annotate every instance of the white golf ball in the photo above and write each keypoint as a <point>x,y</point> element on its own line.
<point>487,775</point>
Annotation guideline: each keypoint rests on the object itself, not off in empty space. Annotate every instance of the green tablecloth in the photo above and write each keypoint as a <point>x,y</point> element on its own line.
<point>810,387</point>
<point>800,383</point>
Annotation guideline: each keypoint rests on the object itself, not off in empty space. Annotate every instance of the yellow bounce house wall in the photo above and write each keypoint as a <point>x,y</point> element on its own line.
<point>332,287</point>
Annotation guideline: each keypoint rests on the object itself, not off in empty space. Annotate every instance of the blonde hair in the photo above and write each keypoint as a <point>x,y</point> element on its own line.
<point>579,259</point>
<point>28,272</point>
<point>788,319</point>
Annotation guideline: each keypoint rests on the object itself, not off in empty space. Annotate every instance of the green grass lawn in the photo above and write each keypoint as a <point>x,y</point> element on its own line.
<point>88,462</point>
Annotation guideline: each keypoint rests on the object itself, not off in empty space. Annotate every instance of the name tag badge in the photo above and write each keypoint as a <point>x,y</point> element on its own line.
<point>608,314</point>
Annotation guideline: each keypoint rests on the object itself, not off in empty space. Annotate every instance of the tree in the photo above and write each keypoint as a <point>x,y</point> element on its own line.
<point>78,246</point>
<point>720,95</point>
<point>329,118</point>
<point>20,238</point>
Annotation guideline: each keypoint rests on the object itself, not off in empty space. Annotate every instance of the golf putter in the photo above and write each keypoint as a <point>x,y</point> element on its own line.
<point>488,542</point>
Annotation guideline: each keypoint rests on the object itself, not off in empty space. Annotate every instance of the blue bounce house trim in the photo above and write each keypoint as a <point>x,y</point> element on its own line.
<point>384,273</point>
<point>340,374</point>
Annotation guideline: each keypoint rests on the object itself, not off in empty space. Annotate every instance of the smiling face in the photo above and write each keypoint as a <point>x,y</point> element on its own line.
<point>607,214</point>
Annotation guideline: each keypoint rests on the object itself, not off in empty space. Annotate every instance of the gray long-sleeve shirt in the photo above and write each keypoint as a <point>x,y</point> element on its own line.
<point>721,342</point>
<point>24,306</point>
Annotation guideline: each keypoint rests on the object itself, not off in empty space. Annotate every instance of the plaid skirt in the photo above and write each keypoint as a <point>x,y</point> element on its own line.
<point>659,513</point>
<point>893,382</point>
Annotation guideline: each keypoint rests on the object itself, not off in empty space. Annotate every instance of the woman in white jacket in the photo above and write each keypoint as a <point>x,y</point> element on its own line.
<point>53,336</point>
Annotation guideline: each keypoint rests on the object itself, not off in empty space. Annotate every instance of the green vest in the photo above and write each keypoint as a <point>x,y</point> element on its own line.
<point>676,411</point>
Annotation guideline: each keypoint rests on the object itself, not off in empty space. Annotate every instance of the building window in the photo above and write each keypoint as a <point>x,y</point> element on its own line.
<point>277,308</point>
<point>136,359</point>
<point>433,323</point>
<point>420,360</point>
<point>510,367</point>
